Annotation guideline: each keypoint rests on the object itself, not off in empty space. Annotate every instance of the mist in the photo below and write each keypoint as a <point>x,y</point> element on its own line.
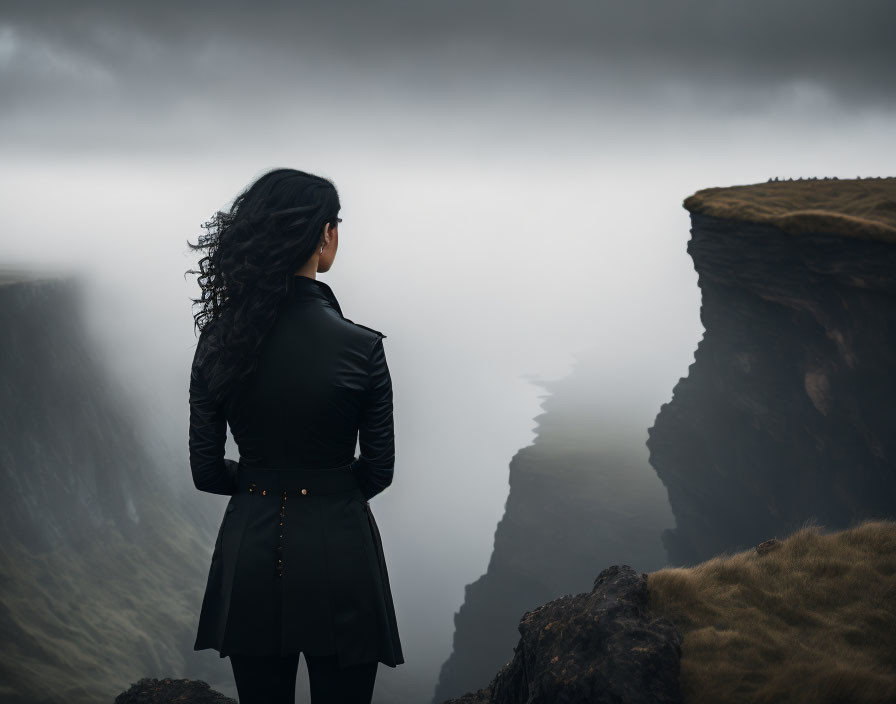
<point>511,198</point>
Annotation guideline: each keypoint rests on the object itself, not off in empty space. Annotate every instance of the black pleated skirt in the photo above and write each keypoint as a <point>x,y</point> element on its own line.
<point>298,566</point>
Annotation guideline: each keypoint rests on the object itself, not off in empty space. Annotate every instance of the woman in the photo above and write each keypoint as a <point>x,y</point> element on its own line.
<point>298,565</point>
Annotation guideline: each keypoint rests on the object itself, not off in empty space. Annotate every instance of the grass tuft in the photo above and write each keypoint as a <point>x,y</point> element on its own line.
<point>811,620</point>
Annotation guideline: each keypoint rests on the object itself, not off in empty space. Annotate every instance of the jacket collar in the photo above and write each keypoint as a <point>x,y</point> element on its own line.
<point>304,288</point>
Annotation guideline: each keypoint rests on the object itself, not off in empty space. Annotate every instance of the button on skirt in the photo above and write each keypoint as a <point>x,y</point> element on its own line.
<point>298,566</point>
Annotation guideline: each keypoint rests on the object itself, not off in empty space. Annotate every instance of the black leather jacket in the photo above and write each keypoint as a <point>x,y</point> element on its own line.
<point>322,383</point>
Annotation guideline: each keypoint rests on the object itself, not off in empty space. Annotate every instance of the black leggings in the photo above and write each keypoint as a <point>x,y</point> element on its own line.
<point>272,680</point>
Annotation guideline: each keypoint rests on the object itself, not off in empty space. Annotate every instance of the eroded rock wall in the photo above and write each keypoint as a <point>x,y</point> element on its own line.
<point>787,413</point>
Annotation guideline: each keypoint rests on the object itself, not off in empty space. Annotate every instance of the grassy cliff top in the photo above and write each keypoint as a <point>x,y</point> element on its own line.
<point>811,619</point>
<point>860,207</point>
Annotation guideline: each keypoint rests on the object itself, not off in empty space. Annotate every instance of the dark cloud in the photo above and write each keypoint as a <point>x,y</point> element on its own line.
<point>90,58</point>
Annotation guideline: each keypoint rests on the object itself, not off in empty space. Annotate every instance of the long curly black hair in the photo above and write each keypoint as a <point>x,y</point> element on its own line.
<point>252,252</point>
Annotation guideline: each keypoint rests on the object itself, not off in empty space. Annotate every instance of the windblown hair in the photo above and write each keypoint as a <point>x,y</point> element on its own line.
<point>252,252</point>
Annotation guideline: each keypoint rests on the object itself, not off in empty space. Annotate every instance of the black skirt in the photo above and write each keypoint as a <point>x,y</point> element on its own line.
<point>298,566</point>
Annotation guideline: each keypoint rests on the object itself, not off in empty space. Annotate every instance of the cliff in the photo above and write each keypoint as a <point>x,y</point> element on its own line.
<point>581,495</point>
<point>784,415</point>
<point>787,412</point>
<point>102,564</point>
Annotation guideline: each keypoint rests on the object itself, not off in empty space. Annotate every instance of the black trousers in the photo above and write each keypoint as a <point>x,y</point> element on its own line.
<point>272,680</point>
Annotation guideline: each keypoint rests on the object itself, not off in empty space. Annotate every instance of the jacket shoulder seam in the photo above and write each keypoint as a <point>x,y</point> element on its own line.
<point>365,327</point>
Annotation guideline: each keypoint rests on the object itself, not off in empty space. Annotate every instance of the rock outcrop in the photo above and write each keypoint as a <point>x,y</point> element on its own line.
<point>787,412</point>
<point>599,647</point>
<point>171,691</point>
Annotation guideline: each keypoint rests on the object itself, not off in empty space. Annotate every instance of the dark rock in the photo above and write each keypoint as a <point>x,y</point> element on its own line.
<point>596,647</point>
<point>152,691</point>
<point>786,415</point>
<point>768,545</point>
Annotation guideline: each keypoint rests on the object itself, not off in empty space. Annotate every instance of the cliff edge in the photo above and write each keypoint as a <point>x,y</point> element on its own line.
<point>787,411</point>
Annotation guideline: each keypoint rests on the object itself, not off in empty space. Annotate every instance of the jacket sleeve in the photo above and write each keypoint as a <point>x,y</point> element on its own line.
<point>376,434</point>
<point>208,434</point>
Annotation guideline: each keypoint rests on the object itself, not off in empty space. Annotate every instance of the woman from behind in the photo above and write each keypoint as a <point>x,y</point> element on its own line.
<point>298,564</point>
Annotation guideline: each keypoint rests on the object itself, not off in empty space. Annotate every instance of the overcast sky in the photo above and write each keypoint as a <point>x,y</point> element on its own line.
<point>183,76</point>
<point>511,177</point>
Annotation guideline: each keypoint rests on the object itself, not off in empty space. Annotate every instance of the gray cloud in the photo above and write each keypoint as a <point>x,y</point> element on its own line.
<point>126,61</point>
<point>846,46</point>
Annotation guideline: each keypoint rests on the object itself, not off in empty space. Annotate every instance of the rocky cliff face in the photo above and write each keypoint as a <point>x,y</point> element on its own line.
<point>785,415</point>
<point>102,564</point>
<point>787,412</point>
<point>71,464</point>
<point>582,496</point>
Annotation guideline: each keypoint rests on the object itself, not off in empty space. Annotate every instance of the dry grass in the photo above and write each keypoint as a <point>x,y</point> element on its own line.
<point>811,621</point>
<point>864,208</point>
